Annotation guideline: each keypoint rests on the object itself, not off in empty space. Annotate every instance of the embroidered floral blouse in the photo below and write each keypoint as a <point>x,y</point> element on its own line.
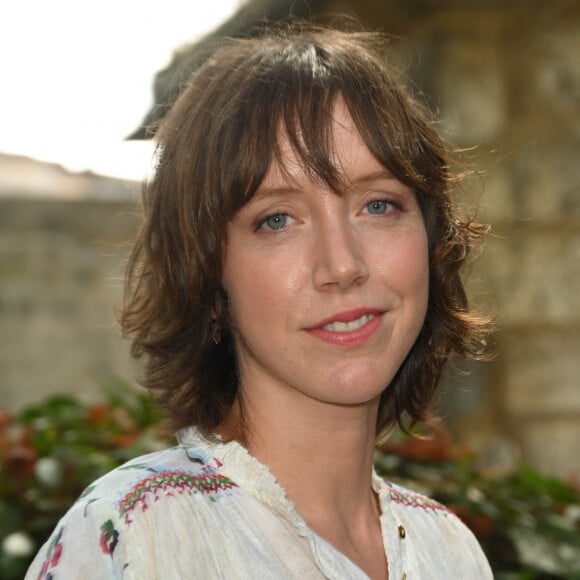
<point>205,510</point>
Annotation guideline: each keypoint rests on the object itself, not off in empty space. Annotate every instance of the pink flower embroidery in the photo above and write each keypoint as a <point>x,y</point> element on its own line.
<point>109,537</point>
<point>52,558</point>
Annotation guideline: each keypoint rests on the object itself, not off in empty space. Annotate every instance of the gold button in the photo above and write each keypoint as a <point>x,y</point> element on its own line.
<point>402,532</point>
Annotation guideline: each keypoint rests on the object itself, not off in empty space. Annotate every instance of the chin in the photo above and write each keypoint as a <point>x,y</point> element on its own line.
<point>368,378</point>
<point>357,390</point>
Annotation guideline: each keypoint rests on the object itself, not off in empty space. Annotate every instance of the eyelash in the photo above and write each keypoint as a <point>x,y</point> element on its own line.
<point>394,205</point>
<point>262,223</point>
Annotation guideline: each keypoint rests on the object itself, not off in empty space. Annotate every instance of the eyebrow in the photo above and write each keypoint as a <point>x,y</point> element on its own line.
<point>380,175</point>
<point>383,174</point>
<point>262,193</point>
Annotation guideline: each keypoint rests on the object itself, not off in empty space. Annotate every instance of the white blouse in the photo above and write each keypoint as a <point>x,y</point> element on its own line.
<point>209,510</point>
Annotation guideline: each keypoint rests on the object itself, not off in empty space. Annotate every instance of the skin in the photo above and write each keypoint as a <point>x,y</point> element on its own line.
<point>299,254</point>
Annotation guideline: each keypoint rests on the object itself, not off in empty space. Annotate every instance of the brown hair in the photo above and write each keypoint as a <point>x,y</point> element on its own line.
<point>214,149</point>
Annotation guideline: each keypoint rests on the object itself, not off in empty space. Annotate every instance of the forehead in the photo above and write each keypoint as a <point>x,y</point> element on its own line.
<point>345,152</point>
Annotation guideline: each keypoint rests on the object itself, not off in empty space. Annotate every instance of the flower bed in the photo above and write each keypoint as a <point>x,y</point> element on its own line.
<point>528,524</point>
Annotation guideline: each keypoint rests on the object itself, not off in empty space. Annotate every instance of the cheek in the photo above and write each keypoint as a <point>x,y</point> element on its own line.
<point>418,275</point>
<point>406,263</point>
<point>417,262</point>
<point>410,278</point>
<point>260,289</point>
<point>418,272</point>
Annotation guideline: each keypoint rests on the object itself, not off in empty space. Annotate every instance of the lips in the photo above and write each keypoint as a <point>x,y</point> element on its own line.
<point>349,328</point>
<point>338,326</point>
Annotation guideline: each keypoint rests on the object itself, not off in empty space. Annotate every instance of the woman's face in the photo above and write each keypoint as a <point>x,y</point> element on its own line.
<point>327,293</point>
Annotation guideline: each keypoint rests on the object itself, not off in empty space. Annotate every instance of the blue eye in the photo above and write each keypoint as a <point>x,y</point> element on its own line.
<point>378,206</point>
<point>276,221</point>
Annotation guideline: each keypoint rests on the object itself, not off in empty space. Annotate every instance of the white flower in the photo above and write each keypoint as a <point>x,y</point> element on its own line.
<point>572,512</point>
<point>47,471</point>
<point>475,494</point>
<point>18,545</point>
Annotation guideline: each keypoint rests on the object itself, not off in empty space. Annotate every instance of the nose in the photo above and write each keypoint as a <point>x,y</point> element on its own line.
<point>339,258</point>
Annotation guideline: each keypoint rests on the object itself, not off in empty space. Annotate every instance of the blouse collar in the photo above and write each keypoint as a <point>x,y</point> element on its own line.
<point>255,478</point>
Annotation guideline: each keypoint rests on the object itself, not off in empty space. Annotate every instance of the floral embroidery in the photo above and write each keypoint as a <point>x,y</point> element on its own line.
<point>52,558</point>
<point>200,457</point>
<point>89,490</point>
<point>167,482</point>
<point>109,537</point>
<point>135,466</point>
<point>416,500</point>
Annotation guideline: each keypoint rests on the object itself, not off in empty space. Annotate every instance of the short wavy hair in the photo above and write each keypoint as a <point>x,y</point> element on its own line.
<point>213,150</point>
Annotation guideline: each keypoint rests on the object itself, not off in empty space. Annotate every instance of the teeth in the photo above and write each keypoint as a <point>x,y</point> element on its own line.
<point>348,326</point>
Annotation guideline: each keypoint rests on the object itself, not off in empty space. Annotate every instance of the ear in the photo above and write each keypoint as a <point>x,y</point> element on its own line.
<point>219,306</point>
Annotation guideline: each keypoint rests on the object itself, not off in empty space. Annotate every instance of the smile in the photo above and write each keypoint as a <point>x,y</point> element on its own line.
<point>348,329</point>
<point>337,326</point>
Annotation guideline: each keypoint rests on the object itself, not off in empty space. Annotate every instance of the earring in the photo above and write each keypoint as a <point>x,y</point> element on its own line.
<point>216,334</point>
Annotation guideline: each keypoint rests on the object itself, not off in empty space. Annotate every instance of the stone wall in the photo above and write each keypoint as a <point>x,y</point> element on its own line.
<point>63,242</point>
<point>504,77</point>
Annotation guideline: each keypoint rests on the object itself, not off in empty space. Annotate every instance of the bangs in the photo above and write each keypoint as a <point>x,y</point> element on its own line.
<point>226,129</point>
<point>290,93</point>
<point>294,103</point>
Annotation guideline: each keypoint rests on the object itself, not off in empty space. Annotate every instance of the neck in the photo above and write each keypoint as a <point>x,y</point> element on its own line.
<point>320,453</point>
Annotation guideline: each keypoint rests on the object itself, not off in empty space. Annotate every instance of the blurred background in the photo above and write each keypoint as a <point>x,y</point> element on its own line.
<point>503,77</point>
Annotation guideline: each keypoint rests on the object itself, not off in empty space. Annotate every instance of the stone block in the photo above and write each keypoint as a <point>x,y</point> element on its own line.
<point>532,276</point>
<point>469,90</point>
<point>544,60</point>
<point>541,373</point>
<point>552,445</point>
<point>61,267</point>
<point>487,194</point>
<point>545,181</point>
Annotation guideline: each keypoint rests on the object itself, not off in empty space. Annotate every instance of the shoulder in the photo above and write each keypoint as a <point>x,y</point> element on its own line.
<point>156,477</point>
<point>426,516</point>
<point>436,533</point>
<point>415,501</point>
<point>126,508</point>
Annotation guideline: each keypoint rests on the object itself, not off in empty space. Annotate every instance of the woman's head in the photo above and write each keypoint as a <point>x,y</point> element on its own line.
<point>215,148</point>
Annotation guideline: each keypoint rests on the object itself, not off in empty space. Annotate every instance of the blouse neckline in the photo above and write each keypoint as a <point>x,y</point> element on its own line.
<point>255,478</point>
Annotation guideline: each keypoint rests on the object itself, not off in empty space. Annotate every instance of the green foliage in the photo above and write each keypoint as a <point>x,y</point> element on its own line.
<point>528,524</point>
<point>51,451</point>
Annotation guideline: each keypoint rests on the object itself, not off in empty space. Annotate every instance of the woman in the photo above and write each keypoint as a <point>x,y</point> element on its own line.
<point>295,290</point>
